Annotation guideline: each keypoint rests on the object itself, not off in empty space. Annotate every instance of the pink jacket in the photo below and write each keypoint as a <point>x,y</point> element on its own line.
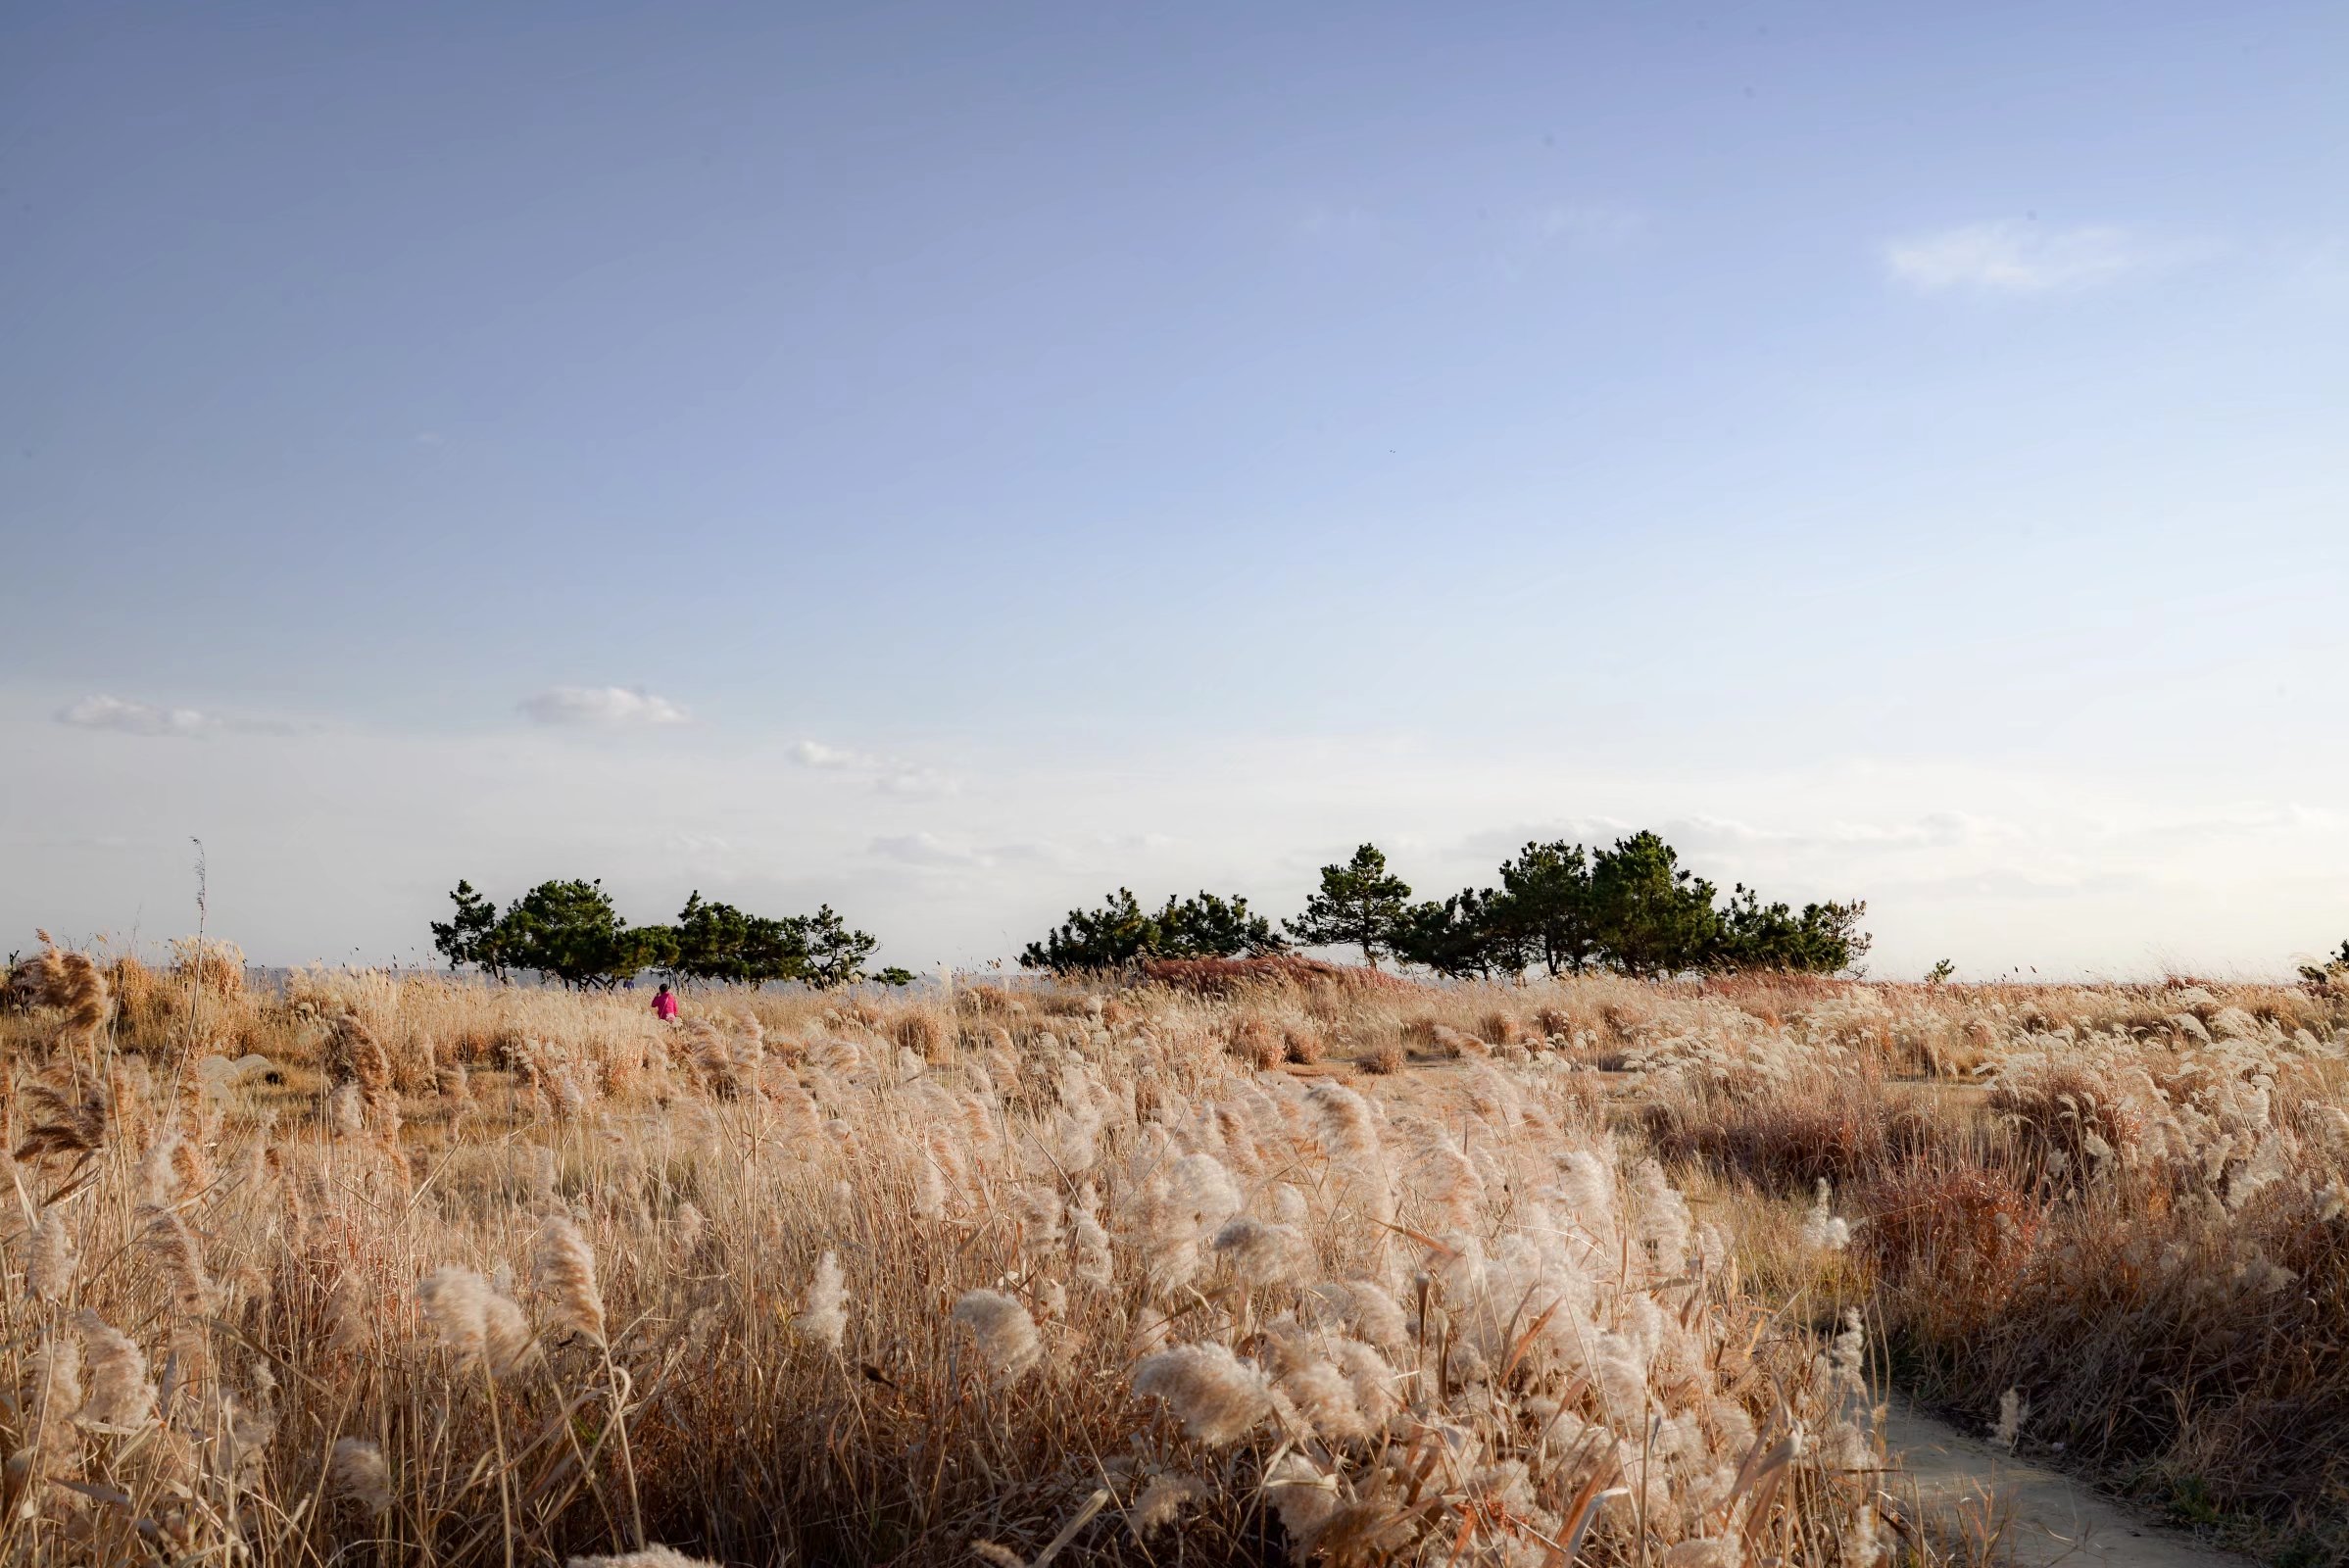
<point>664,1005</point>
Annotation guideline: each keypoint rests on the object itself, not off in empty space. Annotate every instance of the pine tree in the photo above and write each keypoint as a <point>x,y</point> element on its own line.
<point>469,935</point>
<point>1359,905</point>
<point>1649,916</point>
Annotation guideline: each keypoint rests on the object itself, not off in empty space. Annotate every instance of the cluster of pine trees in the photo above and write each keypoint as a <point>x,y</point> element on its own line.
<point>571,932</point>
<point>1558,908</point>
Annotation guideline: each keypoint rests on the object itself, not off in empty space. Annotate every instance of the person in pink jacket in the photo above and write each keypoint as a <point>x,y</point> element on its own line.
<point>664,1005</point>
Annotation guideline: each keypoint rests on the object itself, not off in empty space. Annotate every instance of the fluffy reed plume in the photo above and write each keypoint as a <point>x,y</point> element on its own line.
<point>1217,1397</point>
<point>998,1555</point>
<point>165,1238</point>
<point>1822,1231</point>
<point>505,1337</point>
<point>1162,1503</point>
<point>2012,1411</point>
<point>57,1378</point>
<point>48,1446</point>
<point>475,1322</point>
<point>1347,1128</point>
<point>648,1557</point>
<point>49,1258</point>
<point>1306,1498</point>
<point>1260,1253</point>
<point>1006,1333</point>
<point>67,1111</point>
<point>358,1475</point>
<point>1041,1214</point>
<point>346,1111</point>
<point>472,1320</point>
<point>121,1394</point>
<point>726,1067</point>
<point>352,1054</point>
<point>823,1318</point>
<point>451,1298</point>
<point>1095,1265</point>
<point>564,1268</point>
<point>56,977</point>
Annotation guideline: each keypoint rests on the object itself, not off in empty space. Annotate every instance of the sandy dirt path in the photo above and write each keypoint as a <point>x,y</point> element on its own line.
<point>2046,1517</point>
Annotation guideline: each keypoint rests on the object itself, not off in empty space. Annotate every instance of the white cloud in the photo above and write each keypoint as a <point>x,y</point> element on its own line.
<point>610,706</point>
<point>101,711</point>
<point>918,782</point>
<point>2011,258</point>
<point>889,775</point>
<point>927,849</point>
<point>816,754</point>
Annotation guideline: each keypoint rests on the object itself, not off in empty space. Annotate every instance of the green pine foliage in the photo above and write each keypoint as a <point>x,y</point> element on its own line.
<point>1359,905</point>
<point>571,932</point>
<point>1630,906</point>
<point>1120,932</point>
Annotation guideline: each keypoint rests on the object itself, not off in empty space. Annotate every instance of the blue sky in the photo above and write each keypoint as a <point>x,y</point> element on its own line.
<point>949,461</point>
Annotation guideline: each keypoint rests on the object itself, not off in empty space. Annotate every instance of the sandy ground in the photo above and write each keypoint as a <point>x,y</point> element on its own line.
<point>2043,1517</point>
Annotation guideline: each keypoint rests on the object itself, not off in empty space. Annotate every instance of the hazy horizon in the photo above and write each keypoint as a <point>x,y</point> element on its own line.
<point>952,465</point>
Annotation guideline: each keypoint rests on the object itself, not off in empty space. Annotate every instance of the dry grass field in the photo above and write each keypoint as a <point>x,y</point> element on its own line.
<point>1221,1269</point>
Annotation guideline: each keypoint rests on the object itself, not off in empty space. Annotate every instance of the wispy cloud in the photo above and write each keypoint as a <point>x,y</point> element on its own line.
<point>816,754</point>
<point>2020,258</point>
<point>101,711</point>
<point>927,849</point>
<point>603,706</point>
<point>889,775</point>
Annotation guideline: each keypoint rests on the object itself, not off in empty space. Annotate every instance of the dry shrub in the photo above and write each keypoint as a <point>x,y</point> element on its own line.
<point>1303,1043</point>
<point>1789,1137</point>
<point>1255,1041</point>
<point>922,1033</point>
<point>1384,1056</point>
<point>479,1045</point>
<point>1625,1019</point>
<point>1451,1045</point>
<point>1501,1029</point>
<point>148,1005</point>
<point>2069,1107</point>
<point>1962,1232</point>
<point>214,966</point>
<point>986,1001</point>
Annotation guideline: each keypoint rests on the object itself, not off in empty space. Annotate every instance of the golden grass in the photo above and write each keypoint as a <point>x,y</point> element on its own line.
<point>1281,1266</point>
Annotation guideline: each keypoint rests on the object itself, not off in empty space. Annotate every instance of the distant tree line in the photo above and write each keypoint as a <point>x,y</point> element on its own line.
<point>571,932</point>
<point>1559,907</point>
